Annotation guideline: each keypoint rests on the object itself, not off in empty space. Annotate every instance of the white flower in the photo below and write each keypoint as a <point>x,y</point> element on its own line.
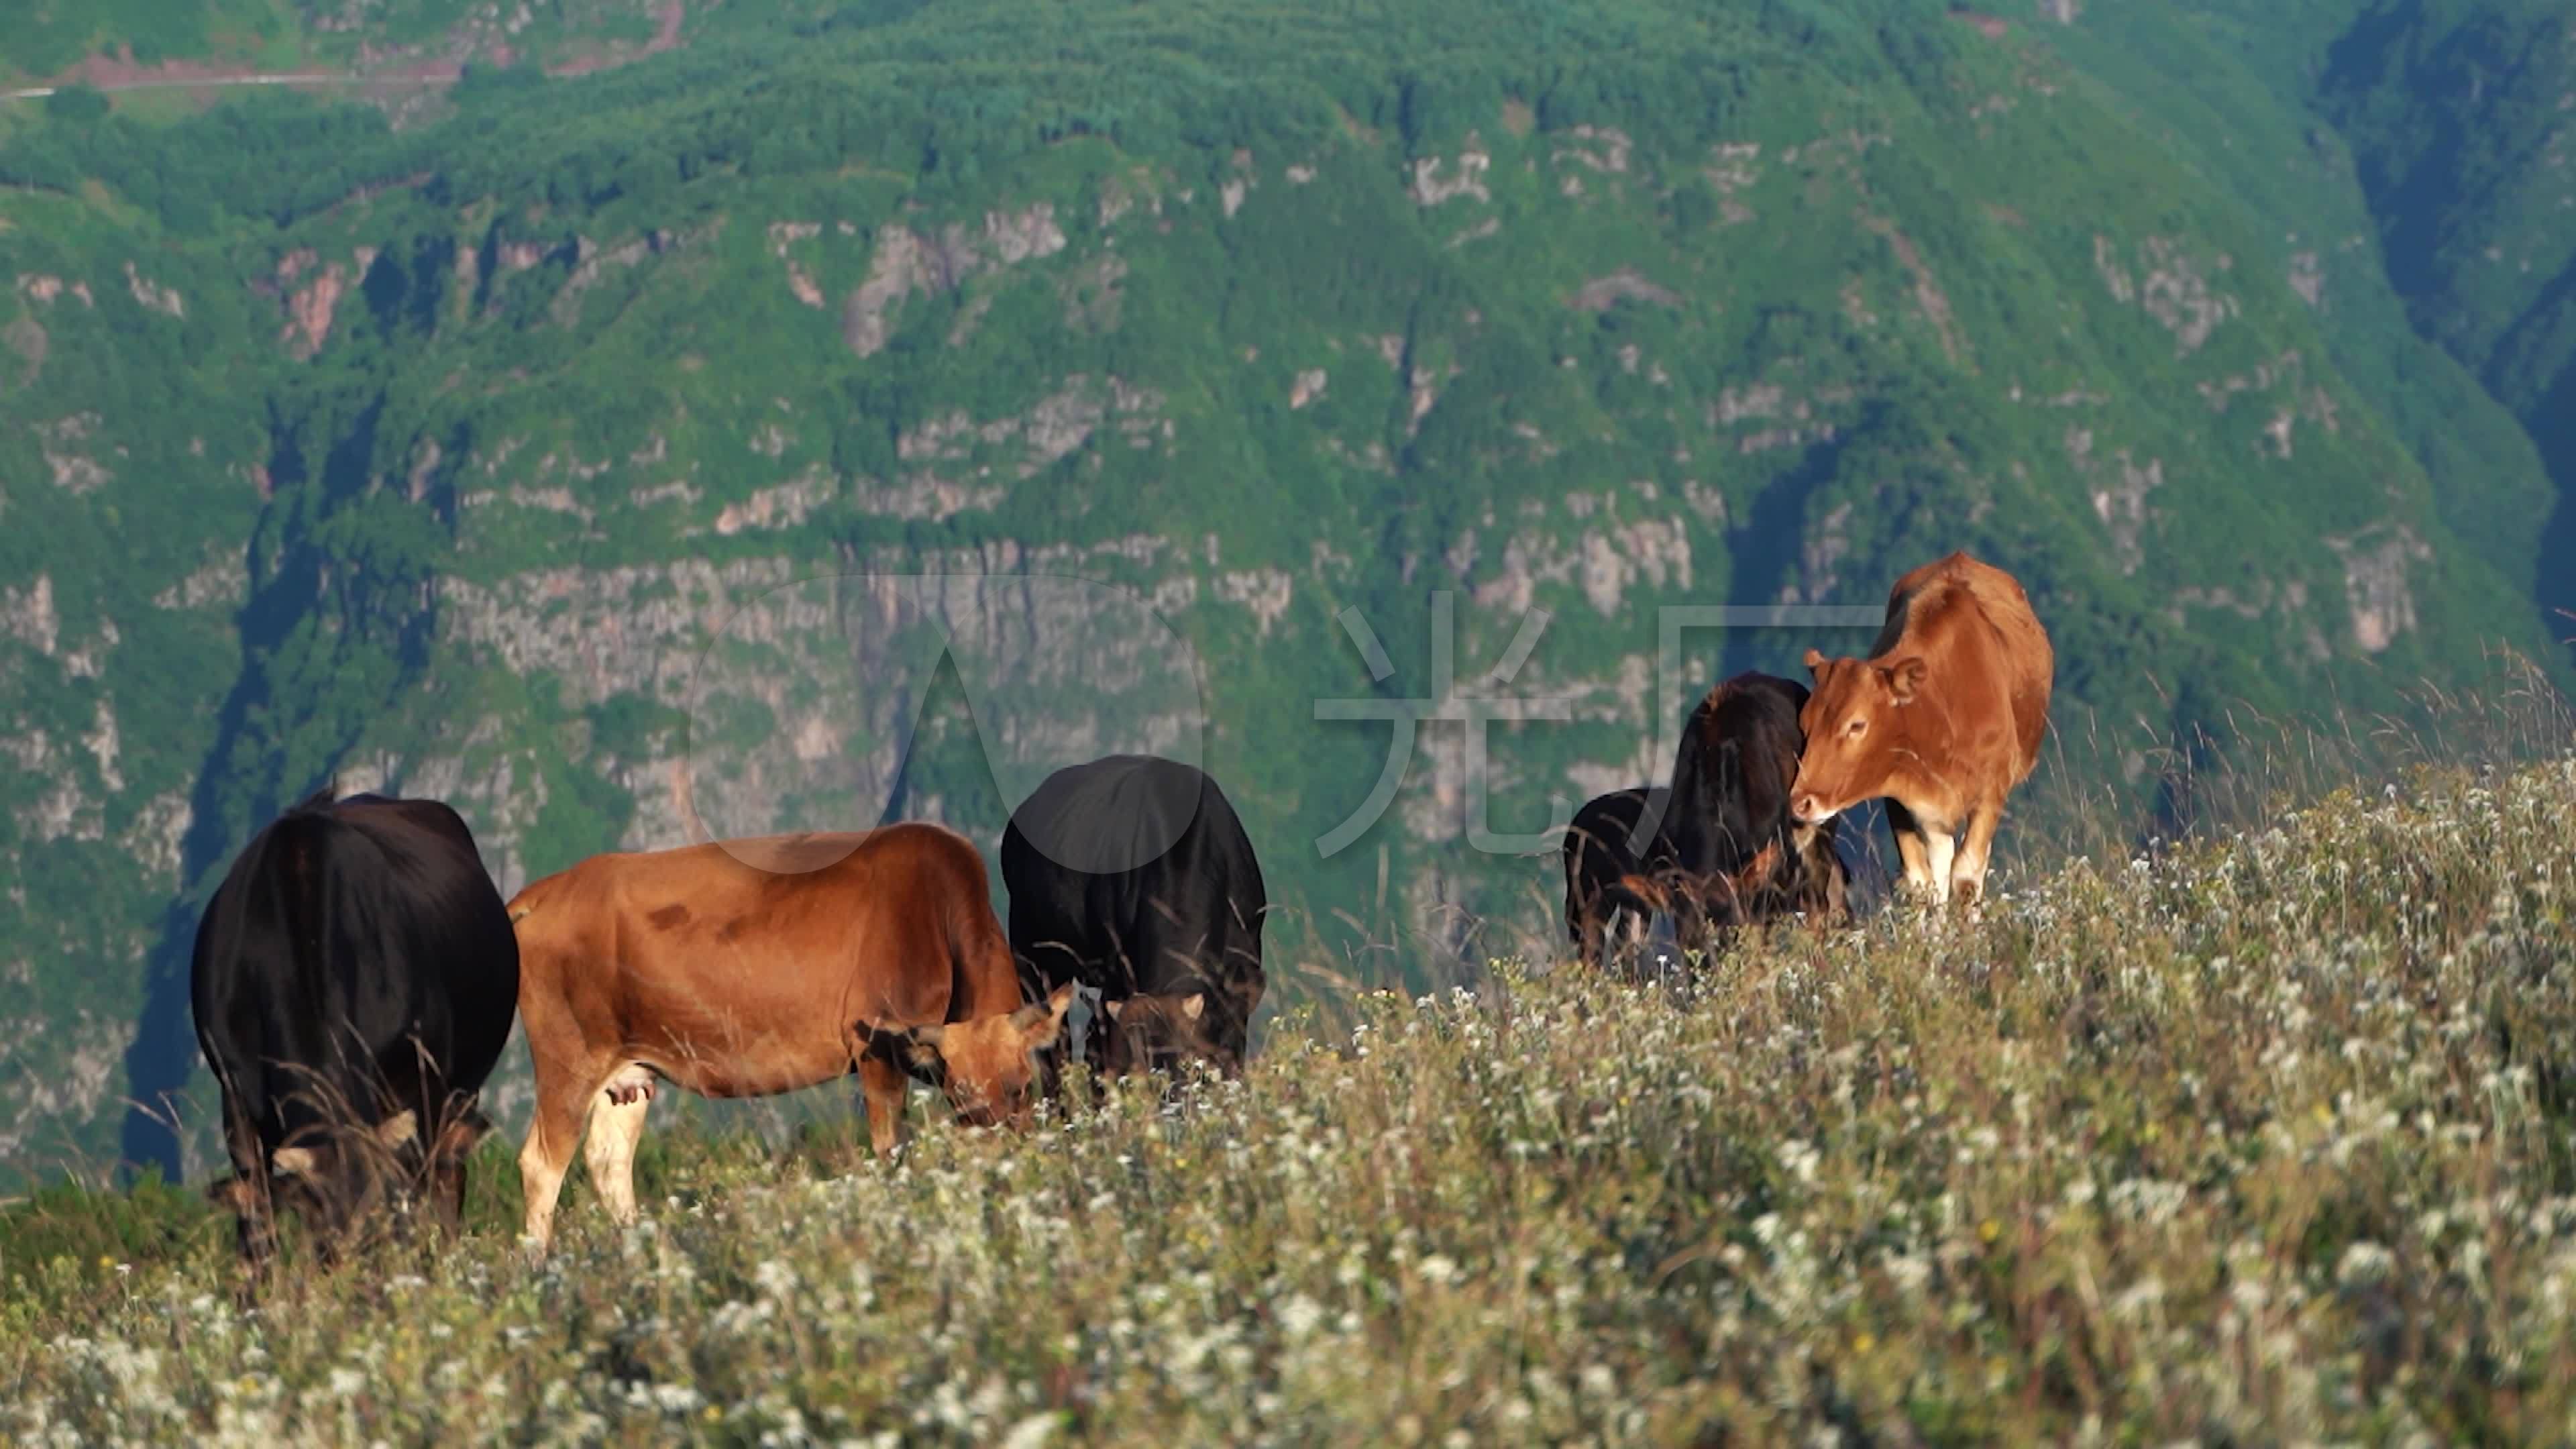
<point>1299,1315</point>
<point>676,1398</point>
<point>1030,1432</point>
<point>775,1279</point>
<point>2364,1263</point>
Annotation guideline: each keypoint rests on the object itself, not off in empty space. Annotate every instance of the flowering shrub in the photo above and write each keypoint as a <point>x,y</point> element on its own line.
<point>2264,1140</point>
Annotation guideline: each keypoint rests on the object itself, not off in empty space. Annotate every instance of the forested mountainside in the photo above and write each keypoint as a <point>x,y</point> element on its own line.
<point>502,443</point>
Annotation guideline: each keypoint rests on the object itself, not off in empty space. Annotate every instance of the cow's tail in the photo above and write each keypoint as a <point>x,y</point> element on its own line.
<point>533,896</point>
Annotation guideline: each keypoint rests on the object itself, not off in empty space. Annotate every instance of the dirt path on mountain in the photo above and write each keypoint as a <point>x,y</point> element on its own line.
<point>121,72</point>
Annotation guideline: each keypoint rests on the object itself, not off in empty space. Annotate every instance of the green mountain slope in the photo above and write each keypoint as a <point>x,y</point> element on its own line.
<point>2456,120</point>
<point>498,456</point>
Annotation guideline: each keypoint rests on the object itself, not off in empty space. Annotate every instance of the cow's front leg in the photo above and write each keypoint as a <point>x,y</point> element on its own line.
<point>1940,848</point>
<point>885,1087</point>
<point>1914,850</point>
<point>1968,876</point>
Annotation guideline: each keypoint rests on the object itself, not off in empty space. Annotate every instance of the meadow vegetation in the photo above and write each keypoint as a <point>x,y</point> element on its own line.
<point>2265,1136</point>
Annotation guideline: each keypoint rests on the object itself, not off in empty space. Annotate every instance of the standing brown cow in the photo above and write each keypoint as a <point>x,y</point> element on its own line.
<point>1942,719</point>
<point>750,967</point>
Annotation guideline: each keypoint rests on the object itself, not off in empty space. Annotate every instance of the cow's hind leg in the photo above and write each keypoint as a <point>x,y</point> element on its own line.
<point>563,1108</point>
<point>615,1127</point>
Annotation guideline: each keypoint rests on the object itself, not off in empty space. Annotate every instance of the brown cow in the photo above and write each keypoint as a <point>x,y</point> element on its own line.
<point>750,967</point>
<point>1942,719</point>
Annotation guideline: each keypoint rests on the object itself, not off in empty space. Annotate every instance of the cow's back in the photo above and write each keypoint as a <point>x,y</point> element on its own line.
<point>1989,655</point>
<point>347,939</point>
<point>740,967</point>
<point>1133,859</point>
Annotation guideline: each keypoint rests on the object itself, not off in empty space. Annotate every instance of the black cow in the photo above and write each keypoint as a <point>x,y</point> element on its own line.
<point>1739,857</point>
<point>1608,879</point>
<point>1131,874</point>
<point>354,980</point>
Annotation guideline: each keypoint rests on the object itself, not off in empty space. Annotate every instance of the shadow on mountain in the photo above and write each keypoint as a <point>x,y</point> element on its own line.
<point>245,780</point>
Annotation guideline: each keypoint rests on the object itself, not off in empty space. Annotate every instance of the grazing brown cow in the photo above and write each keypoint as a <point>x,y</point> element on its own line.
<point>750,967</point>
<point>1942,719</point>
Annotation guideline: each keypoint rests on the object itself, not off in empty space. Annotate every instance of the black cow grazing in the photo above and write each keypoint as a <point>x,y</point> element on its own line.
<point>354,980</point>
<point>1608,880</point>
<point>1131,874</point>
<point>1739,857</point>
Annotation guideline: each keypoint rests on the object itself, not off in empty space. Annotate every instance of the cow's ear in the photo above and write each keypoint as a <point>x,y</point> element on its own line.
<point>1815,660</point>
<point>1196,1006</point>
<point>293,1162</point>
<point>398,1129</point>
<point>1904,676</point>
<point>1116,1006</point>
<point>1042,1021</point>
<point>920,1044</point>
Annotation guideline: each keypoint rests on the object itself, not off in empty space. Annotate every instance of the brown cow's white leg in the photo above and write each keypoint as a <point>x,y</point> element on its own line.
<point>1939,846</point>
<point>615,1128</point>
<point>563,1106</point>
<point>884,1086</point>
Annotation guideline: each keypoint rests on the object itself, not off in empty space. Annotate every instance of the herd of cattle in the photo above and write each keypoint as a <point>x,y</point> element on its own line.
<point>356,974</point>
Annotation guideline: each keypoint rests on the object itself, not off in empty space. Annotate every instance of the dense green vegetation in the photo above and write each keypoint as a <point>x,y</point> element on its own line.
<point>440,454</point>
<point>2263,1140</point>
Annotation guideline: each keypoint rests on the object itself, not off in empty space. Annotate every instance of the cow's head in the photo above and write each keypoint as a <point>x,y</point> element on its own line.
<point>1856,723</point>
<point>1157,1032</point>
<point>985,1065</point>
<point>332,1179</point>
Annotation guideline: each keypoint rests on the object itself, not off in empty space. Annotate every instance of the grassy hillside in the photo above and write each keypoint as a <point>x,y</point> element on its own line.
<point>2263,1140</point>
<point>506,454</point>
